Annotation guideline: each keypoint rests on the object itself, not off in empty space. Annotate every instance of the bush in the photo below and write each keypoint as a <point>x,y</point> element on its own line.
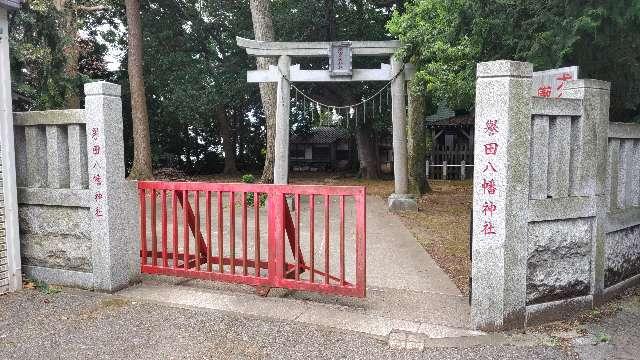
<point>250,179</point>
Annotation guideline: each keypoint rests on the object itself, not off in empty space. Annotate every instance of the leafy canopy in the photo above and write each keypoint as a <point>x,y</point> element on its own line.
<point>446,38</point>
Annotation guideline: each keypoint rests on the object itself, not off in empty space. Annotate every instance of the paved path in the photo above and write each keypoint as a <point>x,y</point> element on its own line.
<point>407,291</point>
<point>77,324</point>
<point>394,258</point>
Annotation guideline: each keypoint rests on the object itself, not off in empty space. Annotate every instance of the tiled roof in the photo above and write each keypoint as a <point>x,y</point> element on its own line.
<point>466,119</point>
<point>322,135</point>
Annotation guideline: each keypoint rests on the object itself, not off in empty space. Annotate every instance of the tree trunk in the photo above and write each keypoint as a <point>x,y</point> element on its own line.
<point>69,30</point>
<point>228,140</point>
<point>141,139</point>
<point>367,153</point>
<point>263,30</point>
<point>330,19</point>
<point>416,144</point>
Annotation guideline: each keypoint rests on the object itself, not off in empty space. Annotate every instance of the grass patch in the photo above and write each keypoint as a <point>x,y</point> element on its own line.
<point>114,303</point>
<point>442,227</point>
<point>41,286</point>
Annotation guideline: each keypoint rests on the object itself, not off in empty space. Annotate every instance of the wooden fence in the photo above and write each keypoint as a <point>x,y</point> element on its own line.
<point>450,162</point>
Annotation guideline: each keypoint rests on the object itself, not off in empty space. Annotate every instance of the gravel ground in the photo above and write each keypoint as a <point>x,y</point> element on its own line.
<point>77,324</point>
<point>615,335</point>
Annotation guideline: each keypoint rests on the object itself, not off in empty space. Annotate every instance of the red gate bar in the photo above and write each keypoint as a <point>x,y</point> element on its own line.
<point>280,272</point>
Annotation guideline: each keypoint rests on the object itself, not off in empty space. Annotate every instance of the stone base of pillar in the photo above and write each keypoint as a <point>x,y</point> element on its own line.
<point>402,202</point>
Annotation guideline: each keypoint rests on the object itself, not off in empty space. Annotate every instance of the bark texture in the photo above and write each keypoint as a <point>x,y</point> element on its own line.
<point>263,31</point>
<point>416,144</point>
<point>141,139</point>
<point>70,50</point>
<point>367,152</point>
<point>228,140</point>
<point>330,19</point>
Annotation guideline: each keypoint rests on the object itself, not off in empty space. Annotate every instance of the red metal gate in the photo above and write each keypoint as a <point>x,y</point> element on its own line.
<point>334,247</point>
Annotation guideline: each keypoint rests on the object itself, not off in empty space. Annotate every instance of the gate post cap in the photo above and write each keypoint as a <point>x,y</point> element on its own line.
<point>504,68</point>
<point>102,88</point>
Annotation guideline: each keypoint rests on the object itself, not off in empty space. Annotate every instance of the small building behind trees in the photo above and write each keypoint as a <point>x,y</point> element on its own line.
<point>451,145</point>
<point>323,148</point>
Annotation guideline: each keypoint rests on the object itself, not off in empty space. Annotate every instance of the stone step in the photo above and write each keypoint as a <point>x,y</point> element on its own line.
<point>340,316</point>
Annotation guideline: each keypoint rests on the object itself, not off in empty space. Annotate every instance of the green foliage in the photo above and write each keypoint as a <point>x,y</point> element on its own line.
<point>41,286</point>
<point>191,65</point>
<point>250,179</point>
<point>37,54</point>
<point>446,38</point>
<point>603,337</point>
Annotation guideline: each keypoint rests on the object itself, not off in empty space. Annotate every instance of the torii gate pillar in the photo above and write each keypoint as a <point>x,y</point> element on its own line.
<point>400,200</point>
<point>281,161</point>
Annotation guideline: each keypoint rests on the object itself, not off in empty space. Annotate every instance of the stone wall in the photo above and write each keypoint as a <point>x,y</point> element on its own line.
<point>557,206</point>
<point>77,212</point>
<point>10,274</point>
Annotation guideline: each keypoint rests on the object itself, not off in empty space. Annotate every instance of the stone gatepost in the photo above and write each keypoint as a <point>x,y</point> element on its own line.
<point>10,264</point>
<point>500,195</point>
<point>592,137</point>
<point>113,208</point>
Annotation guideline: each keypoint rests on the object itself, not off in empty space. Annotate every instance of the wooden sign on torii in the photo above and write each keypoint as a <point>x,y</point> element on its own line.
<point>340,70</point>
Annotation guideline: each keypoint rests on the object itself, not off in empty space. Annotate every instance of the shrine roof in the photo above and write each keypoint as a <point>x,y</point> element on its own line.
<point>322,135</point>
<point>11,4</point>
<point>457,120</point>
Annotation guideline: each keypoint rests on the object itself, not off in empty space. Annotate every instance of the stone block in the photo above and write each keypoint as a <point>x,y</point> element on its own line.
<point>559,262</point>
<point>55,237</point>
<point>102,88</point>
<point>402,202</point>
<point>622,255</point>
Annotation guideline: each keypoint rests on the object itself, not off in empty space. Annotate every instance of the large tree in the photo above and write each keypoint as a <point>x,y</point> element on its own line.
<point>263,31</point>
<point>448,38</point>
<point>55,49</point>
<point>142,166</point>
<point>72,14</point>
<point>416,142</point>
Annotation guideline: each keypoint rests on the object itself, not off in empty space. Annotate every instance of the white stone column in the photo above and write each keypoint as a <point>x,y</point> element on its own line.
<point>281,162</point>
<point>400,200</point>
<point>501,194</point>
<point>114,207</point>
<point>9,201</point>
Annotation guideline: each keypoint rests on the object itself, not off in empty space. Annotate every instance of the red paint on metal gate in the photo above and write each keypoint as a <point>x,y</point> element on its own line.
<point>174,257</point>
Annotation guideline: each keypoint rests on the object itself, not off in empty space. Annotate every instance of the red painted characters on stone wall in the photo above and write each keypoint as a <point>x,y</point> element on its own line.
<point>488,185</point>
<point>97,177</point>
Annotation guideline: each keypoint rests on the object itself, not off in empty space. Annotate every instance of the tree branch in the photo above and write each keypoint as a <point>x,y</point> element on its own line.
<point>92,8</point>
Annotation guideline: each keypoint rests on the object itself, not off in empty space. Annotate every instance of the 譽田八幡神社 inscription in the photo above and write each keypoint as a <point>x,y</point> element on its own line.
<point>97,176</point>
<point>490,170</point>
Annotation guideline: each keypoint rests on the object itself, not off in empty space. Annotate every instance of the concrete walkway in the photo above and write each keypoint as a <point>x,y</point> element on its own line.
<point>407,291</point>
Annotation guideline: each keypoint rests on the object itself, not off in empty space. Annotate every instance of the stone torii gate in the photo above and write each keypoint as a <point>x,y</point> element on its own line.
<point>340,70</point>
